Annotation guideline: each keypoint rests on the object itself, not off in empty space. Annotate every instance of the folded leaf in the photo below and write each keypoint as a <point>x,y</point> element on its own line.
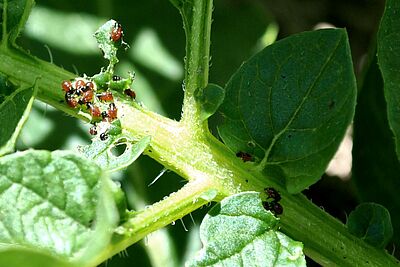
<point>15,105</point>
<point>13,15</point>
<point>290,104</point>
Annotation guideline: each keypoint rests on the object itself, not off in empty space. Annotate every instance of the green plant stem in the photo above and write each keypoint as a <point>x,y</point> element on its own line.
<point>198,31</point>
<point>203,160</point>
<point>189,198</point>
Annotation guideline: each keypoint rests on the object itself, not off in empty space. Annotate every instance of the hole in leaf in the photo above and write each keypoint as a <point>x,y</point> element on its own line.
<point>331,104</point>
<point>251,143</point>
<point>118,149</point>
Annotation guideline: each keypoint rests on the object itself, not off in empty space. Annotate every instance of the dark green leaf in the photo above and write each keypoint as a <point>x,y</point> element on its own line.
<point>210,98</point>
<point>55,204</point>
<point>389,62</point>
<point>240,232</point>
<point>13,16</point>
<point>289,105</point>
<point>371,222</point>
<point>101,151</point>
<point>376,170</point>
<point>15,105</point>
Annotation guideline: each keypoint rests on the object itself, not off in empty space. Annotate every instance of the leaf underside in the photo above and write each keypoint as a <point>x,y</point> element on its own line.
<point>290,104</point>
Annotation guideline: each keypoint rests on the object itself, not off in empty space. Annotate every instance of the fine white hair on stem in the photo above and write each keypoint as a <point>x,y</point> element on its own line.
<point>158,176</point>
<point>183,224</point>
<point>50,54</point>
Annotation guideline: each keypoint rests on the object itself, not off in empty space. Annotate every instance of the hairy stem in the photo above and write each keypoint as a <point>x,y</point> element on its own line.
<point>197,24</point>
<point>189,198</point>
<point>206,164</point>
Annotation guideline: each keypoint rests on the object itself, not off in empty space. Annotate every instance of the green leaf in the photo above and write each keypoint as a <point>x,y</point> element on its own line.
<point>15,105</point>
<point>13,15</point>
<point>376,170</point>
<point>389,62</point>
<point>290,104</point>
<point>209,98</point>
<point>371,222</point>
<point>61,206</point>
<point>101,151</point>
<point>240,232</point>
<point>106,44</point>
<point>18,256</point>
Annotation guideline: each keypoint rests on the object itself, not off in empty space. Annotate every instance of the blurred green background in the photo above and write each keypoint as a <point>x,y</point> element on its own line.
<point>61,32</point>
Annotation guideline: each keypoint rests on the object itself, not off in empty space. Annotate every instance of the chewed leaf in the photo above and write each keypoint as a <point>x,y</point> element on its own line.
<point>101,151</point>
<point>15,105</point>
<point>13,15</point>
<point>240,232</point>
<point>371,222</point>
<point>61,206</point>
<point>289,106</point>
<point>107,42</point>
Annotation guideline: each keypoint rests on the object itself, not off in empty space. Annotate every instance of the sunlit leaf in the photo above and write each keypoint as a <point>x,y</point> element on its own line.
<point>62,206</point>
<point>240,232</point>
<point>101,151</point>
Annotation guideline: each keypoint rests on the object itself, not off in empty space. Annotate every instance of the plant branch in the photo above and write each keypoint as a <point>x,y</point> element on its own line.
<point>197,24</point>
<point>189,198</point>
<point>205,163</point>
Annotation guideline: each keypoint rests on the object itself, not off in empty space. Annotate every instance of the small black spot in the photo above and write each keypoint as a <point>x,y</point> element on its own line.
<point>283,76</point>
<point>272,193</point>
<point>289,136</point>
<point>344,257</point>
<point>247,181</point>
<point>116,78</point>
<point>60,101</point>
<point>150,150</point>
<point>331,104</point>
<point>103,136</point>
<point>276,208</point>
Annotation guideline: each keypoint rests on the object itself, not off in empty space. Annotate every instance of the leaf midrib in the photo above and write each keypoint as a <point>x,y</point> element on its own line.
<point>264,162</point>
